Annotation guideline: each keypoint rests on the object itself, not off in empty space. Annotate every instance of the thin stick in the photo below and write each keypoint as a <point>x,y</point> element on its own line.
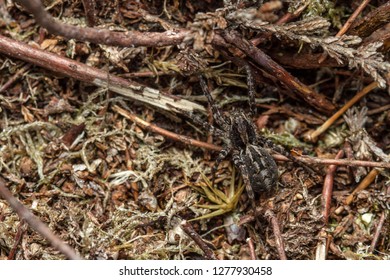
<point>328,187</point>
<point>347,24</point>
<point>314,135</point>
<point>341,162</point>
<point>36,224</point>
<point>352,18</point>
<point>18,238</point>
<point>290,16</point>
<point>363,185</point>
<point>277,233</point>
<point>189,230</point>
<point>251,248</point>
<point>97,77</point>
<point>166,133</point>
<point>377,232</point>
<point>102,36</point>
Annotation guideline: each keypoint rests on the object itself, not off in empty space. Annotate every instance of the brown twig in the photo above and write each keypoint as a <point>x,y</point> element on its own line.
<point>189,230</point>
<point>18,238</point>
<point>352,18</point>
<point>313,98</point>
<point>326,161</point>
<point>347,25</point>
<point>278,236</point>
<point>363,185</point>
<point>328,187</point>
<point>378,231</point>
<point>163,132</point>
<point>88,74</point>
<point>314,135</point>
<point>102,36</point>
<point>290,16</point>
<point>251,248</point>
<point>36,224</point>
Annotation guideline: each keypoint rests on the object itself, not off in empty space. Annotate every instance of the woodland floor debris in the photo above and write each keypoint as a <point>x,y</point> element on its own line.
<point>94,143</point>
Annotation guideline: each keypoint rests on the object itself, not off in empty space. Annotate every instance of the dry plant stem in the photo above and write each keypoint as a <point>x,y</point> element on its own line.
<point>314,135</point>
<point>352,18</point>
<point>377,18</point>
<point>326,161</point>
<point>277,233</point>
<point>90,12</point>
<point>328,188</point>
<point>363,185</point>
<point>18,238</point>
<point>379,110</point>
<point>347,25</point>
<point>377,232</point>
<point>290,16</point>
<point>36,224</point>
<point>251,248</point>
<point>316,100</point>
<point>163,132</point>
<point>88,74</point>
<point>102,36</point>
<point>189,230</point>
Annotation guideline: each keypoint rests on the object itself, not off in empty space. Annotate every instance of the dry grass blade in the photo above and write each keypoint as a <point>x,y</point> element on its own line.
<point>222,203</point>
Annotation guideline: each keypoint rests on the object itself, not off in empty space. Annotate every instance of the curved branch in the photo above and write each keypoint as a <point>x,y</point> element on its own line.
<point>102,36</point>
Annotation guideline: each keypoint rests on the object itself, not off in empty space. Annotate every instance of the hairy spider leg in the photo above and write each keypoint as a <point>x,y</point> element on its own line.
<point>219,119</point>
<point>251,90</point>
<point>240,164</point>
<point>196,119</point>
<point>279,149</point>
<point>221,156</point>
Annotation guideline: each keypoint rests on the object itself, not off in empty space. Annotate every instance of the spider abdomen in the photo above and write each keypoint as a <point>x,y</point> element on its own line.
<point>261,167</point>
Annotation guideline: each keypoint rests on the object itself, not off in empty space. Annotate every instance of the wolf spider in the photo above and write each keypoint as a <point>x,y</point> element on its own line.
<point>246,147</point>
